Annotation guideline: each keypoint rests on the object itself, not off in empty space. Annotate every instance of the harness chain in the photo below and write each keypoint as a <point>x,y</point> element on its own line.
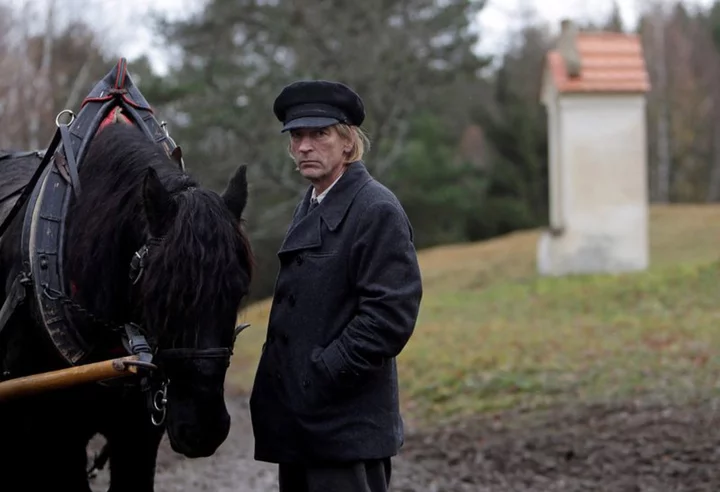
<point>73,306</point>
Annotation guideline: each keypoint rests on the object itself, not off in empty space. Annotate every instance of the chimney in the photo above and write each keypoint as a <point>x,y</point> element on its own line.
<point>567,46</point>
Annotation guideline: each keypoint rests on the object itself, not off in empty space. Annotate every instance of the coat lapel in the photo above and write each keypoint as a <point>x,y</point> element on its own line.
<point>305,230</point>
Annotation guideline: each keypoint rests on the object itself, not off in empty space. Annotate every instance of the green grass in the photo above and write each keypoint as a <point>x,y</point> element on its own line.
<point>493,335</point>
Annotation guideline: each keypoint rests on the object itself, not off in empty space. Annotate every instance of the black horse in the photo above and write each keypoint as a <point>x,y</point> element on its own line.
<point>196,274</point>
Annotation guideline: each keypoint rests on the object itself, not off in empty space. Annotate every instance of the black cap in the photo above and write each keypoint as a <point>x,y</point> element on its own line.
<point>317,104</point>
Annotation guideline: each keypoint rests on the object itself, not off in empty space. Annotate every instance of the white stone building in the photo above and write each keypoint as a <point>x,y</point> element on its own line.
<point>594,87</point>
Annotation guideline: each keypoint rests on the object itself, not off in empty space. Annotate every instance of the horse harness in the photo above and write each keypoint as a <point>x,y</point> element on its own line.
<point>47,194</point>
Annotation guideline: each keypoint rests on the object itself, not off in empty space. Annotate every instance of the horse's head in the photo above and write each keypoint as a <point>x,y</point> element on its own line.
<point>196,272</point>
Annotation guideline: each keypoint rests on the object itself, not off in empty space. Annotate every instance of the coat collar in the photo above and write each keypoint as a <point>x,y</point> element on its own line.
<point>305,229</point>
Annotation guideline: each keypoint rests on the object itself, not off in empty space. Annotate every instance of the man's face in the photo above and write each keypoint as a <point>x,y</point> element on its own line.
<point>319,153</point>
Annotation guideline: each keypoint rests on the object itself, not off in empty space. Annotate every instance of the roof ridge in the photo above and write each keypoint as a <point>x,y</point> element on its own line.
<point>597,61</point>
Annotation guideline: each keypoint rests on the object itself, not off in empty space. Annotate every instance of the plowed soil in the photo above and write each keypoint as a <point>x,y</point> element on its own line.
<point>639,446</point>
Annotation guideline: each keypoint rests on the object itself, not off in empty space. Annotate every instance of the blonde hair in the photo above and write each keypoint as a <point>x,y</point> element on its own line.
<point>356,135</point>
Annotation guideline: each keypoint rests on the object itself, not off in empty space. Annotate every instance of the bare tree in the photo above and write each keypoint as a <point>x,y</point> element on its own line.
<point>46,65</point>
<point>41,85</point>
<point>707,63</point>
<point>662,176</point>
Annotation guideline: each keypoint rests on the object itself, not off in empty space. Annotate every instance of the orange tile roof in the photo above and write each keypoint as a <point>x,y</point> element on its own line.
<point>610,62</point>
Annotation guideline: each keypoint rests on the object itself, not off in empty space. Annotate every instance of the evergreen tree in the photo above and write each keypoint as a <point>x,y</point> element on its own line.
<point>405,58</point>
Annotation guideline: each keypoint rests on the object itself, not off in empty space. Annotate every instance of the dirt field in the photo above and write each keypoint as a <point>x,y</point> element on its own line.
<point>625,448</point>
<point>637,447</point>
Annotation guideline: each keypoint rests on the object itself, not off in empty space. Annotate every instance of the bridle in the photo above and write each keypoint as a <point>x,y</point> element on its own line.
<point>154,383</point>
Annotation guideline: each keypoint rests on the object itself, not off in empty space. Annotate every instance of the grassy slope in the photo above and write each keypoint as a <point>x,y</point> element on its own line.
<point>492,334</point>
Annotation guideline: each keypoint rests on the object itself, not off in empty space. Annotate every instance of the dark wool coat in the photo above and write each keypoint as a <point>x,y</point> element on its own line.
<point>346,300</point>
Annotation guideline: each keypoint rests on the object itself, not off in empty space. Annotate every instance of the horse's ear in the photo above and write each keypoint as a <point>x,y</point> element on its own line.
<point>235,195</point>
<point>177,156</point>
<point>159,207</point>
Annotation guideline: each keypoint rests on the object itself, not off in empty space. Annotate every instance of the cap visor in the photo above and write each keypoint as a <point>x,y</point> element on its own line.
<point>309,122</point>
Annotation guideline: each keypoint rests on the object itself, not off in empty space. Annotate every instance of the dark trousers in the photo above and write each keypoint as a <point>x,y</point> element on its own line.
<point>360,476</point>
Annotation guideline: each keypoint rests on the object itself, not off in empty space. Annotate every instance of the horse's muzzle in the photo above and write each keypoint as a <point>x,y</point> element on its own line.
<point>197,437</point>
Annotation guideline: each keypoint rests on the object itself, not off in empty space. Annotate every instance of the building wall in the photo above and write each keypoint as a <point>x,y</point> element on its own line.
<point>555,170</point>
<point>598,172</point>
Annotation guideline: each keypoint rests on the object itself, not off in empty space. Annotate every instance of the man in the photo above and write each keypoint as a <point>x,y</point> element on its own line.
<point>324,405</point>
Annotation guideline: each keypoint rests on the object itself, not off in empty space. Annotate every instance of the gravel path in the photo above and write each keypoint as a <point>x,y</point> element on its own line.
<point>629,447</point>
<point>232,468</point>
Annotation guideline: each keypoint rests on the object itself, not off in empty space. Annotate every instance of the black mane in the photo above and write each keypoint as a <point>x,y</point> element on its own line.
<point>203,262</point>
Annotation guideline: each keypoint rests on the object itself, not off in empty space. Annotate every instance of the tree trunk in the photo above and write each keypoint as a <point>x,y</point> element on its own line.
<point>662,175</point>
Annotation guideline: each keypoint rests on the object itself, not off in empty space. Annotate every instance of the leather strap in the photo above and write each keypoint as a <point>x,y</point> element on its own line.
<point>31,184</point>
<point>70,158</point>
<point>15,296</point>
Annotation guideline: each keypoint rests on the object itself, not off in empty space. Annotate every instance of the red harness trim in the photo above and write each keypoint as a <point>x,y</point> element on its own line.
<point>119,86</point>
<point>114,117</point>
<point>125,98</point>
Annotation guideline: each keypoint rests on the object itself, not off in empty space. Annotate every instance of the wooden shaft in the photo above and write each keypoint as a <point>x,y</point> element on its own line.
<point>64,378</point>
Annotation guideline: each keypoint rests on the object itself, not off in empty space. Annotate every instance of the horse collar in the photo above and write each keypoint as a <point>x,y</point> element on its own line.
<point>49,194</point>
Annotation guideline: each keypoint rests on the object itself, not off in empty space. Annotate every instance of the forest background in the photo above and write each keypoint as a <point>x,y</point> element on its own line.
<point>460,137</point>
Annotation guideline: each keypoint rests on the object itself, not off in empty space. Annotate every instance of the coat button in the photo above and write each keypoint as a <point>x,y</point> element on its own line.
<point>285,337</point>
<point>277,375</point>
<point>299,260</point>
<point>305,383</point>
<point>291,300</point>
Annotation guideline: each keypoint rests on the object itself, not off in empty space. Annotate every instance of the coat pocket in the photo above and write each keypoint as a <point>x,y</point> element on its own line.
<point>318,387</point>
<point>316,391</point>
<point>321,254</point>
